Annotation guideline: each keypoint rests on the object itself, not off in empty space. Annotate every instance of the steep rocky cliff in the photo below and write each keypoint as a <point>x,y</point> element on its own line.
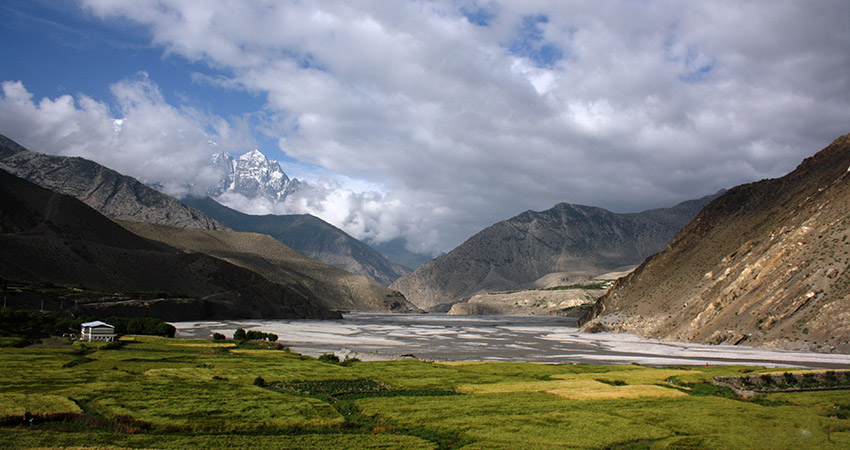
<point>766,264</point>
<point>581,241</point>
<point>112,194</point>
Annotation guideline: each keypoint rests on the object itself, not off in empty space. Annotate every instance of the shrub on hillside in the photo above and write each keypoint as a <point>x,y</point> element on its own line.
<point>329,358</point>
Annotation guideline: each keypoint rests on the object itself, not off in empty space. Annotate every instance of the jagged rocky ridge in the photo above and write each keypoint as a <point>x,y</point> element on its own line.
<point>253,175</point>
<point>112,194</point>
<point>47,238</point>
<point>766,264</point>
<point>579,241</point>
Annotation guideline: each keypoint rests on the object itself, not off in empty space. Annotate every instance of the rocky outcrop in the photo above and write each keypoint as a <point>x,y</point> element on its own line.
<point>574,239</point>
<point>766,264</point>
<point>311,236</point>
<point>112,194</point>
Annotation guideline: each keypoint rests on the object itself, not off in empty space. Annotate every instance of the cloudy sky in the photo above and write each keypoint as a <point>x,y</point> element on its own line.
<point>431,120</point>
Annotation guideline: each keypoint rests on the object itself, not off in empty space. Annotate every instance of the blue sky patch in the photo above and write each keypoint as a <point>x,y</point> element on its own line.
<point>697,75</point>
<point>58,50</point>
<point>694,65</point>
<point>532,45</point>
<point>480,15</point>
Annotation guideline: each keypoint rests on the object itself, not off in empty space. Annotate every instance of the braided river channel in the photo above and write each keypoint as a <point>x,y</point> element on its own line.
<point>542,339</point>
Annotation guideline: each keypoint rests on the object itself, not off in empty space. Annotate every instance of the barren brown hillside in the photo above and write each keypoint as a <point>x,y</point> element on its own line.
<point>766,264</point>
<point>577,242</point>
<point>333,288</point>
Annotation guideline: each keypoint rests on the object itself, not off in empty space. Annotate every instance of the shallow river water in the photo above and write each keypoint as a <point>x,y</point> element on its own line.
<point>496,338</point>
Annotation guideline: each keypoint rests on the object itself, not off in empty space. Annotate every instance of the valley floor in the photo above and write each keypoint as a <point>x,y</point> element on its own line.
<point>157,393</point>
<point>546,339</point>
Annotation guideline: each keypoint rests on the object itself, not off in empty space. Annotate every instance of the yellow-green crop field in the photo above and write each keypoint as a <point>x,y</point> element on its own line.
<point>156,393</point>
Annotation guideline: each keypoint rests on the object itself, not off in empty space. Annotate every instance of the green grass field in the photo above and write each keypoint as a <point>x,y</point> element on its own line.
<point>157,393</point>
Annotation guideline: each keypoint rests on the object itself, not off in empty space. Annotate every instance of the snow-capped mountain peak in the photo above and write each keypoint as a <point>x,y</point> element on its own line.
<point>255,156</point>
<point>252,175</point>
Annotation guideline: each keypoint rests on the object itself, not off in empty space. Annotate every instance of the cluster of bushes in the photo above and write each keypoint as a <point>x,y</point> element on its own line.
<point>120,424</point>
<point>19,322</point>
<point>331,358</point>
<point>789,380</point>
<point>250,335</point>
<point>142,325</point>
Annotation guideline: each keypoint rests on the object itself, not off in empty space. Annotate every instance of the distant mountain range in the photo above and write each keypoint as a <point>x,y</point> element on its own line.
<point>766,264</point>
<point>253,176</point>
<point>573,242</point>
<point>50,240</point>
<point>311,236</point>
<point>124,198</point>
<point>396,251</point>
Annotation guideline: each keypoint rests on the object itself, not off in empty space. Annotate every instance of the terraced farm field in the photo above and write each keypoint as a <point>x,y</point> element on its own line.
<point>157,393</point>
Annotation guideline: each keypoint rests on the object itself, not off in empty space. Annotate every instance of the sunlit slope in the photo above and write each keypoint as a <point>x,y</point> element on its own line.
<point>766,264</point>
<point>334,288</point>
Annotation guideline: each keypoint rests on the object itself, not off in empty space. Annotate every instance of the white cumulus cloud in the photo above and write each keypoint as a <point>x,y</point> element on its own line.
<point>469,112</point>
<point>144,137</point>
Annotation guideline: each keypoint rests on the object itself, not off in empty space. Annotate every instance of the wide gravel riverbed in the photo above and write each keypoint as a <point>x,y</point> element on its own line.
<point>440,337</point>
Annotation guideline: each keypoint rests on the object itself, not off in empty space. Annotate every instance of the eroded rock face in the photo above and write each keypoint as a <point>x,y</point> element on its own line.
<point>766,264</point>
<point>514,253</point>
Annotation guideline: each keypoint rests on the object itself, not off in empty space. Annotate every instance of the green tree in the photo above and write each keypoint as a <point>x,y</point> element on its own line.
<point>239,335</point>
<point>254,335</point>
